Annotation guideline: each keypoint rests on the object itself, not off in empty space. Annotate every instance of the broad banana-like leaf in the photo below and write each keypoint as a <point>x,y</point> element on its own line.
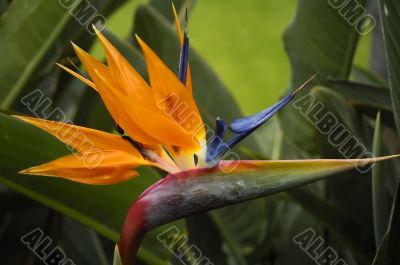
<point>388,252</point>
<point>340,225</point>
<point>379,195</point>
<point>313,48</point>
<point>22,49</point>
<point>391,19</point>
<point>359,94</point>
<point>367,99</point>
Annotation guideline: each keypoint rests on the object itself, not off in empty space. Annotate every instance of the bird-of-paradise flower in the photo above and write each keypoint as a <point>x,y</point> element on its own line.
<point>159,125</point>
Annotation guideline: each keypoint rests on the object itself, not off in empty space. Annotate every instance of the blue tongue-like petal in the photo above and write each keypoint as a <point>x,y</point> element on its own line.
<point>254,121</point>
<point>243,127</point>
<point>217,140</point>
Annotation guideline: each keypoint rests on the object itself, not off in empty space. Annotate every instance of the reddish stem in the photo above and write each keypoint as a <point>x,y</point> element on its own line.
<point>132,233</point>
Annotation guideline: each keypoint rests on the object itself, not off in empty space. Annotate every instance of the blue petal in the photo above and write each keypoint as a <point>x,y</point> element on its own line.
<point>184,60</point>
<point>184,56</point>
<point>254,121</point>
<point>214,146</point>
<point>242,128</point>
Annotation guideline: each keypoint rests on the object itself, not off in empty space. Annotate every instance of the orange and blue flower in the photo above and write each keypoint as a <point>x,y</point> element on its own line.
<point>154,130</point>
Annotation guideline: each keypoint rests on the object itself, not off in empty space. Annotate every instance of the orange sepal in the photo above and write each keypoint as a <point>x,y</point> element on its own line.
<point>161,127</point>
<point>82,139</point>
<point>80,77</point>
<point>129,81</point>
<point>113,103</point>
<point>107,167</point>
<point>171,95</point>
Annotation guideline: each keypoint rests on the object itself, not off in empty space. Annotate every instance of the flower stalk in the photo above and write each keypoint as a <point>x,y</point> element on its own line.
<point>199,190</point>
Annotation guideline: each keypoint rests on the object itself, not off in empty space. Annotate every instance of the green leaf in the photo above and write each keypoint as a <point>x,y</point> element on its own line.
<point>367,77</point>
<point>379,195</point>
<point>348,124</point>
<point>81,244</point>
<point>390,10</point>
<point>321,43</point>
<point>27,31</point>
<point>243,228</point>
<point>13,226</point>
<point>388,253</point>
<point>339,223</point>
<point>3,6</point>
<point>230,239</point>
<point>213,249</point>
<point>347,137</point>
<point>19,202</point>
<point>238,232</point>
<point>367,99</point>
<point>358,94</point>
<point>23,146</point>
<point>36,34</point>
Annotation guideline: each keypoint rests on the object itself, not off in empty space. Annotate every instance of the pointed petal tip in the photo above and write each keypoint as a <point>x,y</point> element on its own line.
<point>386,157</point>
<point>104,41</point>
<point>95,28</point>
<point>79,76</point>
<point>138,38</point>
<point>76,48</point>
<point>62,66</point>
<point>25,171</point>
<point>370,160</point>
<point>26,119</point>
<point>20,117</point>
<point>141,42</point>
<point>29,171</point>
<point>304,84</point>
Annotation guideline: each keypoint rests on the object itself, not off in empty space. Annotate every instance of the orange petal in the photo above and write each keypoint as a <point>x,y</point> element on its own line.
<point>178,29</point>
<point>89,62</point>
<point>107,167</point>
<point>177,24</point>
<point>113,104</point>
<point>129,81</point>
<point>80,77</point>
<point>171,95</point>
<point>159,126</point>
<point>82,139</point>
